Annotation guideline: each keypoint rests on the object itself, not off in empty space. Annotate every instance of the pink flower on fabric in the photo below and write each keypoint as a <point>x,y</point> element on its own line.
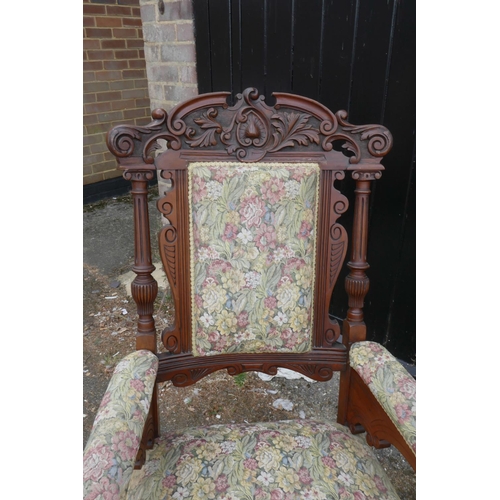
<point>230,232</point>
<point>96,462</point>
<point>273,190</point>
<point>305,230</point>
<point>329,462</point>
<point>403,412</point>
<point>252,210</point>
<point>137,384</point>
<point>266,237</point>
<point>169,481</point>
<point>277,495</point>
<point>270,302</point>
<point>199,189</point>
<point>359,495</point>
<point>126,444</point>
<point>106,399</point>
<point>304,476</point>
<point>221,483</point>
<point>250,463</point>
<point>380,485</point>
<point>243,319</point>
<point>105,490</point>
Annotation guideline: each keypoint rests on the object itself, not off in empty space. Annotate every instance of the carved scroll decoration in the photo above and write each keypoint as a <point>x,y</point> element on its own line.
<point>250,129</point>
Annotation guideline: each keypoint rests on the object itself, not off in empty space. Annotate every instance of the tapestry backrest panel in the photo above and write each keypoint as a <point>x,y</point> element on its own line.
<point>253,230</point>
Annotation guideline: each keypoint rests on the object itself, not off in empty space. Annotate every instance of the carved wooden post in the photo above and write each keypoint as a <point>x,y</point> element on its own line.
<point>357,282</point>
<point>144,287</point>
<point>144,290</point>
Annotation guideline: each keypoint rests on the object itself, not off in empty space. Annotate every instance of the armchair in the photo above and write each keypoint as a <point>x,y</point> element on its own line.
<point>252,251</point>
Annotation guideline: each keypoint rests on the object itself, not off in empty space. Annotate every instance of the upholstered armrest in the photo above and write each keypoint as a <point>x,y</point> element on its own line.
<point>109,457</point>
<point>393,387</point>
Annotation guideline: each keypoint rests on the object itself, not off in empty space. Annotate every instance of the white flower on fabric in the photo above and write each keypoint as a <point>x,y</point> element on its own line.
<point>207,320</point>
<point>245,236</point>
<point>292,188</point>
<point>181,493</point>
<point>265,478</point>
<point>281,318</point>
<point>346,479</point>
<point>253,279</point>
<point>214,189</point>
<point>228,446</point>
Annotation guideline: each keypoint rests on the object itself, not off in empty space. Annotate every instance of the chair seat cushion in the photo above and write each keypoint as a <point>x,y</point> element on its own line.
<point>284,460</point>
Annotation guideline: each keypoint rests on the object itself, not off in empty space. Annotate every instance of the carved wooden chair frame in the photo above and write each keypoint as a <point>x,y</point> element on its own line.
<point>295,129</point>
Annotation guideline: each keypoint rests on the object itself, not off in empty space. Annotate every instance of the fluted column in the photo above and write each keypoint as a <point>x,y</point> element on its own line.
<point>144,287</point>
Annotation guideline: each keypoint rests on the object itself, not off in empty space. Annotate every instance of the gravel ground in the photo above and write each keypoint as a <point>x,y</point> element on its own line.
<point>108,335</point>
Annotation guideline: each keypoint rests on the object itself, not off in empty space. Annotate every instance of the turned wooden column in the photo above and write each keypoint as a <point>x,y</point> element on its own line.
<point>357,282</point>
<point>144,287</point>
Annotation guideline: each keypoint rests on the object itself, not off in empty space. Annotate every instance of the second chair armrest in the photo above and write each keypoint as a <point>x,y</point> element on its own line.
<point>109,457</point>
<point>393,387</point>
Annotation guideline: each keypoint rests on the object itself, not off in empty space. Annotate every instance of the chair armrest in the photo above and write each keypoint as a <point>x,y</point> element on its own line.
<point>109,457</point>
<point>393,387</point>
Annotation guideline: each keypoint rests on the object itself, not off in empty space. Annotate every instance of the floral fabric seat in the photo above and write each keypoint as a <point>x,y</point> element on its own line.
<point>284,460</point>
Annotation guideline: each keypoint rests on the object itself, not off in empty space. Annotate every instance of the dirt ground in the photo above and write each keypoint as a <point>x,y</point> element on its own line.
<point>108,335</point>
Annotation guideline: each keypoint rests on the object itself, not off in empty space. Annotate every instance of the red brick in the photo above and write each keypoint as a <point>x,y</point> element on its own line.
<point>141,84</point>
<point>111,174</point>
<point>126,54</point>
<point>88,140</point>
<point>86,151</point>
<point>87,170</point>
<point>99,148</point>
<point>88,22</point>
<point>142,121</point>
<point>118,10</point>
<point>98,33</point>
<point>123,104</point>
<point>135,113</point>
<point>123,64</point>
<point>100,55</point>
<point>135,64</point>
<point>142,103</point>
<point>92,65</point>
<point>89,119</point>
<point>132,73</point>
<point>135,94</point>
<point>124,33</point>
<point>94,9</point>
<point>88,98</point>
<point>121,85</point>
<point>89,160</point>
<point>113,44</point>
<point>91,179</point>
<point>88,76</point>
<point>133,43</point>
<point>108,75</point>
<point>91,44</point>
<point>95,87</point>
<point>98,128</point>
<point>108,117</point>
<point>139,33</point>
<point>131,21</point>
<point>109,96</point>
<point>128,2</point>
<point>98,107</point>
<point>136,11</point>
<point>113,22</point>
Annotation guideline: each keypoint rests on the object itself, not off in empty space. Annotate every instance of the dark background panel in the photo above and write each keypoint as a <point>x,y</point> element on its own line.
<point>357,55</point>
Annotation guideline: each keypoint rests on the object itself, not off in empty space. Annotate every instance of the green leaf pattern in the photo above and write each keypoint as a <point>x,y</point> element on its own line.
<point>390,383</point>
<point>253,245</point>
<point>286,460</point>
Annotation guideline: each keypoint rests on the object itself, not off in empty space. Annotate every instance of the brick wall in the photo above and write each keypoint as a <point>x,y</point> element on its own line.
<point>170,52</point>
<point>115,88</point>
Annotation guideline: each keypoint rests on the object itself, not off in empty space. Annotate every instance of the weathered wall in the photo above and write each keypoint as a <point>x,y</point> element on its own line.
<point>115,88</point>
<point>170,52</point>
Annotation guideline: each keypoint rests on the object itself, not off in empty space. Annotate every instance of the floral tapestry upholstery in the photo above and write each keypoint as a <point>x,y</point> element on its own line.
<point>253,246</point>
<point>109,457</point>
<point>285,460</point>
<point>390,383</point>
